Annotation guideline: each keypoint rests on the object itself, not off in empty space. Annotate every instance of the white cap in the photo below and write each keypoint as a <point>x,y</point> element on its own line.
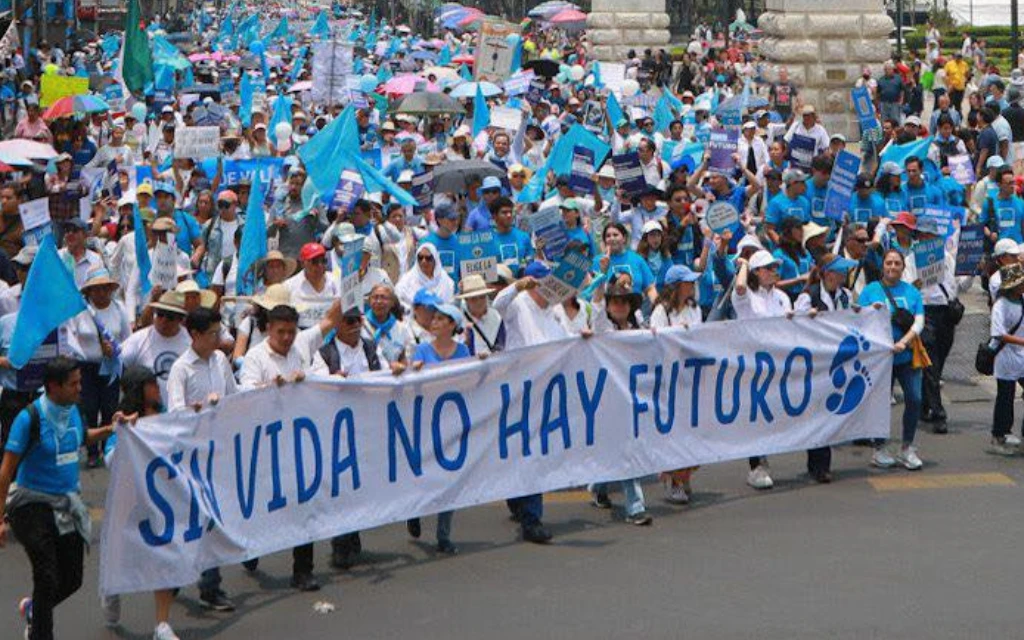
<point>749,240</point>
<point>749,124</point>
<point>762,259</point>
<point>651,225</point>
<point>405,176</point>
<point>914,120</point>
<point>1006,247</point>
<point>607,171</point>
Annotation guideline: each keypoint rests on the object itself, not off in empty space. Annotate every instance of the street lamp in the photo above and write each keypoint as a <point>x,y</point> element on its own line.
<point>1014,34</point>
<point>899,28</point>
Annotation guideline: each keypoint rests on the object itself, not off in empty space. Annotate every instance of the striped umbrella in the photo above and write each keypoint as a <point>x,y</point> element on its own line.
<point>75,105</point>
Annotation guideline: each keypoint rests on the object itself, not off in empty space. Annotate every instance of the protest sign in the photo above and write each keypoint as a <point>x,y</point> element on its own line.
<point>722,216</point>
<point>272,468</point>
<point>801,152</point>
<point>351,258</point>
<point>936,221</point>
<point>841,185</point>
<point>594,117</point>
<point>962,169</point>
<point>549,229</point>
<point>29,378</point>
<point>350,188</point>
<point>581,179</point>
<point>870,128</point>
<point>613,74</point>
<point>721,149</point>
<point>332,65</point>
<point>236,170</point>
<point>566,279</point>
<point>930,258</point>
<point>53,87</point>
<point>423,188</point>
<point>197,142</point>
<point>478,254</point>
<point>164,271</point>
<point>34,213</point>
<point>113,94</point>
<point>506,118</point>
<point>494,52</point>
<point>971,250</point>
<point>312,309</point>
<point>518,84</point>
<point>629,173</point>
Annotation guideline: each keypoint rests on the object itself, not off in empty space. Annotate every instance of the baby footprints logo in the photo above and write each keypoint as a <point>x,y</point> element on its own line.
<point>849,375</point>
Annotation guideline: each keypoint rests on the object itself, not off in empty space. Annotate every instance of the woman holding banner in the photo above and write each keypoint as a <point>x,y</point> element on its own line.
<point>907,309</point>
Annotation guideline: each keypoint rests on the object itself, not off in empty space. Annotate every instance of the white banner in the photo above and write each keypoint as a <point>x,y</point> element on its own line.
<point>274,468</point>
<point>197,142</point>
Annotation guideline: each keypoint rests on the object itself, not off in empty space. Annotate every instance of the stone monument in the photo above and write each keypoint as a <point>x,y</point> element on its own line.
<point>825,44</point>
<point>616,26</point>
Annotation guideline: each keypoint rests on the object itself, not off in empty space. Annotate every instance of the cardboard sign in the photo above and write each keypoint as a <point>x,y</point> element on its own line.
<point>332,66</point>
<point>580,179</point>
<point>841,185</point>
<point>350,188</point>
<point>936,221</point>
<point>721,149</point>
<point>566,279</point>
<point>478,254</point>
<point>197,142</point>
<point>970,250</point>
<point>930,258</point>
<point>506,118</point>
<point>613,74</point>
<point>801,152</point>
<point>629,173</point>
<point>962,169</point>
<point>518,84</point>
<point>494,53</point>
<point>549,230</point>
<point>34,213</point>
<point>722,216</point>
<point>351,289</point>
<point>165,265</point>
<point>53,87</point>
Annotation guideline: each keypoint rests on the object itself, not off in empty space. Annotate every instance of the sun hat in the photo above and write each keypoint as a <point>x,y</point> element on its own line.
<point>763,259</point>
<point>171,302</point>
<point>1012,275</point>
<point>290,264</point>
<point>98,278</point>
<point>473,286</point>
<point>207,298</point>
<point>276,295</point>
<point>164,223</point>
<point>1006,247</point>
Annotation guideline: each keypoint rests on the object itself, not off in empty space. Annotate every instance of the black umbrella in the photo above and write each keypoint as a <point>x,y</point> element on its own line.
<point>450,177</point>
<point>543,67</point>
<point>426,103</point>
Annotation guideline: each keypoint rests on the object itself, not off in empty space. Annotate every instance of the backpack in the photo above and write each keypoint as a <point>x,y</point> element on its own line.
<point>34,431</point>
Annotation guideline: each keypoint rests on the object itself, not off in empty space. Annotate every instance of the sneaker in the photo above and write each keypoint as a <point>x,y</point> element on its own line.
<point>446,547</point>
<point>676,495</point>
<point>216,601</point>
<point>251,565</point>
<point>759,478</point>
<point>1011,440</point>
<point>305,582</point>
<point>908,458</point>
<point>600,500</point>
<point>414,527</point>
<point>111,610</point>
<point>1002,447</point>
<point>882,458</point>
<point>25,611</point>
<point>536,534</point>
<point>164,631</point>
<point>641,519</point>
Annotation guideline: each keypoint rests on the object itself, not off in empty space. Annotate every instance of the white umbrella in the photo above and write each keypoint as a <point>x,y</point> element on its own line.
<point>468,89</point>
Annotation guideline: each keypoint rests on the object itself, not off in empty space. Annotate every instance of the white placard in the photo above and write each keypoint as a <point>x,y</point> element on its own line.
<point>165,265</point>
<point>197,142</point>
<point>493,52</point>
<point>613,74</point>
<point>506,118</point>
<point>34,213</point>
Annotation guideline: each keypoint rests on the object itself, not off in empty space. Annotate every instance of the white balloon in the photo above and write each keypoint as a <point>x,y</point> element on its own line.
<point>576,72</point>
<point>630,87</point>
<point>283,130</point>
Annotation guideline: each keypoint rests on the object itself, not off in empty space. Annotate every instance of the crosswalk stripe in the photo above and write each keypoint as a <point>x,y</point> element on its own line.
<point>940,481</point>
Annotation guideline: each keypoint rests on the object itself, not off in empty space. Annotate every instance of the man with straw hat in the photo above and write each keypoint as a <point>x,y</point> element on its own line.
<point>157,346</point>
<point>485,331</point>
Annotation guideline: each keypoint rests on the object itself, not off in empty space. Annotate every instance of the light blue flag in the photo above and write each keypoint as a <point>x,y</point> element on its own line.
<point>663,115</point>
<point>322,154</point>
<point>49,298</point>
<point>245,91</point>
<point>596,70</point>
<point>282,113</point>
<point>384,74</point>
<point>142,262</point>
<point>899,153</point>
<point>560,160</point>
<point>375,180</point>
<point>533,191</point>
<point>321,28</point>
<point>445,58</point>
<point>300,62</point>
<point>481,112</point>
<point>464,73</point>
<point>254,241</point>
<point>163,78</point>
<point>517,53</point>
<point>281,30</point>
<point>615,112</point>
<point>189,80</point>
<point>673,101</point>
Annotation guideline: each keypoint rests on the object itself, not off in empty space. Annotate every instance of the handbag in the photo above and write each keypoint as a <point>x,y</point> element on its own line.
<point>955,307</point>
<point>901,318</point>
<point>985,358</point>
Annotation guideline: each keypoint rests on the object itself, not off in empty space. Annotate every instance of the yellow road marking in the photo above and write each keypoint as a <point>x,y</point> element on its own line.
<point>940,481</point>
<point>567,496</point>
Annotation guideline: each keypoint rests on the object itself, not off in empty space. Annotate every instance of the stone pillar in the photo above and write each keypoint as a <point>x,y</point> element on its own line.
<point>825,44</point>
<point>616,26</point>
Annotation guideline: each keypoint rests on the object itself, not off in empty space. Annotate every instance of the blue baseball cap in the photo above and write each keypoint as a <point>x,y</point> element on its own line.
<point>490,182</point>
<point>537,269</point>
<point>426,298</point>
<point>680,273</point>
<point>445,212</point>
<point>840,264</point>
<point>161,185</point>
<point>452,312</point>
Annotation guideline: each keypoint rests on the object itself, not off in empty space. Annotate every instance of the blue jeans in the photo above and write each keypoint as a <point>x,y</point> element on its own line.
<point>528,509</point>
<point>209,582</point>
<point>631,490</point>
<point>910,381</point>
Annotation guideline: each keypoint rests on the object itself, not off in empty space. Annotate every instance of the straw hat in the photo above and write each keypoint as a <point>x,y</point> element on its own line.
<point>207,298</point>
<point>473,286</point>
<point>1012,275</point>
<point>170,301</point>
<point>98,278</point>
<point>276,295</point>
<point>290,264</point>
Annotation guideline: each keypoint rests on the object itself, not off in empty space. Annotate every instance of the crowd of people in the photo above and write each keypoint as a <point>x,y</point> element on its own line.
<point>150,342</point>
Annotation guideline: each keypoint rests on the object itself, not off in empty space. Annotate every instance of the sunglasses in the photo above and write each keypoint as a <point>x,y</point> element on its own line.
<point>859,239</point>
<point>351,320</point>
<point>425,258</point>
<point>223,204</point>
<point>174,317</point>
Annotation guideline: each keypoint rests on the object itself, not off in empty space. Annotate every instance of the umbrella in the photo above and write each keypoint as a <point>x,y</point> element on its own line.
<point>406,84</point>
<point>550,8</point>
<point>29,149</point>
<point>72,105</point>
<point>13,160</point>
<point>423,55</point>
<point>425,103</point>
<point>543,67</point>
<point>464,58</point>
<point>568,16</point>
<point>468,89</point>
<point>450,177</point>
<point>471,19</point>
<point>442,73</point>
<point>298,87</point>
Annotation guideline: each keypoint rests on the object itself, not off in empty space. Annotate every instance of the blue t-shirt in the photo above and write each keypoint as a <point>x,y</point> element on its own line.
<point>920,197</point>
<point>479,218</point>
<point>1009,216</point>
<point>684,252</point>
<point>426,354</point>
<point>514,248</point>
<point>816,196</point>
<point>791,268</point>
<point>49,466</point>
<point>447,249</point>
<point>577,234</point>
<point>895,202</point>
<point>188,230</point>
<point>863,209</point>
<point>782,206</point>
<point>906,297</point>
<point>632,263</point>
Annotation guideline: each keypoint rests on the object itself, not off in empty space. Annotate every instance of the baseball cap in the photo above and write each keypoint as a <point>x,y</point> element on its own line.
<point>426,298</point>
<point>680,273</point>
<point>452,312</point>
<point>763,259</point>
<point>839,264</point>
<point>537,269</point>
<point>1006,247</point>
<point>914,120</point>
<point>995,162</point>
<point>490,182</point>
<point>227,195</point>
<point>749,240</point>
<point>864,181</point>
<point>311,251</point>
<point>445,212</point>
<point>793,175</point>
<point>144,189</point>
<point>570,203</point>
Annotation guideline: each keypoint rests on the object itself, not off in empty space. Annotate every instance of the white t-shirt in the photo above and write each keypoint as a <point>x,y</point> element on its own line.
<point>1010,360</point>
<point>762,303</point>
<point>148,349</point>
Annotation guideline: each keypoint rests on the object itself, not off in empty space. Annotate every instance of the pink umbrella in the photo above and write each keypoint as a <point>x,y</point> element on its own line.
<point>406,84</point>
<point>472,18</point>
<point>29,149</point>
<point>568,16</point>
<point>305,85</point>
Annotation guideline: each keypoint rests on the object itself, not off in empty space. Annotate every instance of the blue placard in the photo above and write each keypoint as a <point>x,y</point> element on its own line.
<point>580,179</point>
<point>573,269</point>
<point>801,151</point>
<point>478,245</point>
<point>629,173</point>
<point>971,250</point>
<point>936,221</point>
<point>841,185</point>
<point>372,156</point>
<point>721,149</point>
<point>930,259</point>
<point>549,229</point>
<point>236,170</point>
<point>865,108</point>
<point>350,188</point>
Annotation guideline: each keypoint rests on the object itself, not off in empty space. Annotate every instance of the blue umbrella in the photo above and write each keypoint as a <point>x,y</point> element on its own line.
<point>423,55</point>
<point>468,89</point>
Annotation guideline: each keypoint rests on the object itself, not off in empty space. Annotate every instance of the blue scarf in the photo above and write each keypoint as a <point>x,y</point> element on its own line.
<point>380,329</point>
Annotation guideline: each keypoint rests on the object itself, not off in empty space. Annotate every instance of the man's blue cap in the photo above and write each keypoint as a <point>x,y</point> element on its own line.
<point>426,298</point>
<point>840,264</point>
<point>490,182</point>
<point>537,269</point>
<point>161,185</point>
<point>445,212</point>
<point>680,273</point>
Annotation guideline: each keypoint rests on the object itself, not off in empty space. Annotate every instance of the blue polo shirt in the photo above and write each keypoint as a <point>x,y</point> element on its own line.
<point>514,248</point>
<point>51,464</point>
<point>1009,216</point>
<point>782,206</point>
<point>920,197</point>
<point>863,209</point>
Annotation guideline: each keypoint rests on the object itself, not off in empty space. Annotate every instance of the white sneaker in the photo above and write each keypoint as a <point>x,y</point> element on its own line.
<point>1002,447</point>
<point>676,495</point>
<point>882,458</point>
<point>1011,440</point>
<point>164,631</point>
<point>759,478</point>
<point>111,610</point>
<point>908,458</point>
